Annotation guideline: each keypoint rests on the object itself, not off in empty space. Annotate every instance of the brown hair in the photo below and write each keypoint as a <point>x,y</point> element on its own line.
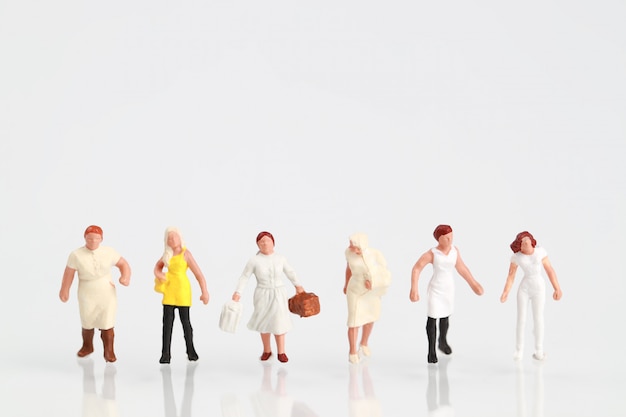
<point>93,229</point>
<point>442,229</point>
<point>263,234</point>
<point>516,246</point>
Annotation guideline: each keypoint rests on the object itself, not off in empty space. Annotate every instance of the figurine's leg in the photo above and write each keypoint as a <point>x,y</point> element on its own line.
<point>168,323</point>
<point>538,303</point>
<point>522,303</point>
<point>267,347</point>
<point>431,332</point>
<point>87,347</point>
<point>365,336</point>
<point>108,337</point>
<point>353,335</point>
<point>280,347</point>
<point>183,313</point>
<point>444,324</point>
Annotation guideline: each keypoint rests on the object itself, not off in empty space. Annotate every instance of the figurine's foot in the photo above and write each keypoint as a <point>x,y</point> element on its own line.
<point>365,350</point>
<point>165,358</point>
<point>193,356</point>
<point>353,358</point>
<point>539,356</point>
<point>432,358</point>
<point>84,351</point>
<point>445,348</point>
<point>518,355</point>
<point>87,347</point>
<point>282,357</point>
<point>265,356</point>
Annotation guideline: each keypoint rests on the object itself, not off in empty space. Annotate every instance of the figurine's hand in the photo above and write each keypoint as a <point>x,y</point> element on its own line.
<point>557,294</point>
<point>236,296</point>
<point>204,297</point>
<point>160,276</point>
<point>125,281</point>
<point>299,289</point>
<point>478,289</point>
<point>345,289</point>
<point>64,295</point>
<point>414,295</point>
<point>368,284</point>
<point>504,296</point>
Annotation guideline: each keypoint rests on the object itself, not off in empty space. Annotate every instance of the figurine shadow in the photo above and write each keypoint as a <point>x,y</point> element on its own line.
<point>438,389</point>
<point>522,400</point>
<point>269,400</point>
<point>103,404</point>
<point>362,401</point>
<point>169,401</point>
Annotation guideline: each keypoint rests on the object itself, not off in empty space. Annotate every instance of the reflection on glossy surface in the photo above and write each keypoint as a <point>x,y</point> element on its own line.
<point>169,402</point>
<point>438,389</point>
<point>103,405</point>
<point>362,399</point>
<point>269,400</point>
<point>522,401</point>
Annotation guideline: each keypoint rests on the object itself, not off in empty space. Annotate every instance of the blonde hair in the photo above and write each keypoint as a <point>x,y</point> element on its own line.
<point>168,252</point>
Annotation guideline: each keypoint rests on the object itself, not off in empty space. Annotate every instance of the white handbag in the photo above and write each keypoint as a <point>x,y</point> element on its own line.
<point>230,316</point>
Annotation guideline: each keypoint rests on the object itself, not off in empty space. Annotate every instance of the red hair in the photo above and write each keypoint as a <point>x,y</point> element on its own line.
<point>516,246</point>
<point>93,229</point>
<point>263,234</point>
<point>442,229</point>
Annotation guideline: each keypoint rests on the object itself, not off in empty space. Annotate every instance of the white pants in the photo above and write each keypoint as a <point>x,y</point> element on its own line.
<point>531,290</point>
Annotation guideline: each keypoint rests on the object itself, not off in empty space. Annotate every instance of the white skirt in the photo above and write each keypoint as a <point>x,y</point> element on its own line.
<point>271,311</point>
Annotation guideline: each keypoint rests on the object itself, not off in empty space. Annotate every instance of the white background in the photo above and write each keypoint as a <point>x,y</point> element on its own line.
<point>314,120</point>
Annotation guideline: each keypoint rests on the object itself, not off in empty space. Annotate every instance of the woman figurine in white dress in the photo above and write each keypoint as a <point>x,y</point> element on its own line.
<point>532,260</point>
<point>271,311</point>
<point>364,266</point>
<point>97,301</point>
<point>445,258</point>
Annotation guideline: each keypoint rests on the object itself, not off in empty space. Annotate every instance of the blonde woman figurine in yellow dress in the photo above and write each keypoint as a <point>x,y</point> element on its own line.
<point>176,289</point>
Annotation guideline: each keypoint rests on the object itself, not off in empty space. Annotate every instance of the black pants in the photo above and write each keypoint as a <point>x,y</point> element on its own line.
<point>168,324</point>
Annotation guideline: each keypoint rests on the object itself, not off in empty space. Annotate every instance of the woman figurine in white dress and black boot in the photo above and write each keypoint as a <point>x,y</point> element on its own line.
<point>445,258</point>
<point>271,310</point>
<point>532,289</point>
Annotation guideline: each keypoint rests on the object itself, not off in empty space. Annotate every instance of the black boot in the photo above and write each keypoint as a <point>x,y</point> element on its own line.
<point>168,323</point>
<point>431,332</point>
<point>444,323</point>
<point>188,332</point>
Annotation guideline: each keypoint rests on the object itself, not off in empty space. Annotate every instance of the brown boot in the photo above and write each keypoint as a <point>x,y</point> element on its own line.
<point>87,343</point>
<point>107,341</point>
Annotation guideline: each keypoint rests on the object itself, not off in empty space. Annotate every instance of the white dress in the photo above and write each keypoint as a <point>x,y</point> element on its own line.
<point>271,310</point>
<point>97,301</point>
<point>363,305</point>
<point>441,285</point>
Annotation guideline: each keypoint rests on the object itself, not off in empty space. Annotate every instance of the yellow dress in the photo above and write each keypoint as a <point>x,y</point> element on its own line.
<point>176,289</point>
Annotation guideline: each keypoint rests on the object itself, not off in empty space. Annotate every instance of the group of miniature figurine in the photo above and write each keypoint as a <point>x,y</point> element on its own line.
<point>366,281</point>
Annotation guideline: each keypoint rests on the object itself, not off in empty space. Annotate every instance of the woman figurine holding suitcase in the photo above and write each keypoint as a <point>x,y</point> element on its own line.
<point>271,312</point>
<point>364,264</point>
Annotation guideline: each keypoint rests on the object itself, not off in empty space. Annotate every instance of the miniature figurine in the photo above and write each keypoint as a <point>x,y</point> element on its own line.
<point>532,289</point>
<point>445,258</point>
<point>271,312</point>
<point>364,265</point>
<point>97,301</point>
<point>176,290</point>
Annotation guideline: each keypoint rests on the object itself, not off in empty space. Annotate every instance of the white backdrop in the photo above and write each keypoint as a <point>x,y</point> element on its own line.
<point>314,121</point>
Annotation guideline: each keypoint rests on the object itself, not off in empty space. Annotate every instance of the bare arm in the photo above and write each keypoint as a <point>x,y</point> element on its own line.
<point>195,269</point>
<point>464,271</point>
<point>552,277</point>
<point>509,282</point>
<point>124,268</point>
<point>68,278</point>
<point>425,259</point>
<point>158,270</point>
<point>348,276</point>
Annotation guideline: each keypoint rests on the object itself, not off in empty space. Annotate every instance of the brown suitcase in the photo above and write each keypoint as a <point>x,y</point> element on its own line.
<point>305,304</point>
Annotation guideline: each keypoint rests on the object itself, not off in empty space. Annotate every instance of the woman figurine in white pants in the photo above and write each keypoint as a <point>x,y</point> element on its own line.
<point>532,289</point>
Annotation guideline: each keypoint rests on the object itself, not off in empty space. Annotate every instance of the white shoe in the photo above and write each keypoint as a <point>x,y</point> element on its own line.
<point>365,350</point>
<point>518,355</point>
<point>353,358</point>
<point>539,356</point>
